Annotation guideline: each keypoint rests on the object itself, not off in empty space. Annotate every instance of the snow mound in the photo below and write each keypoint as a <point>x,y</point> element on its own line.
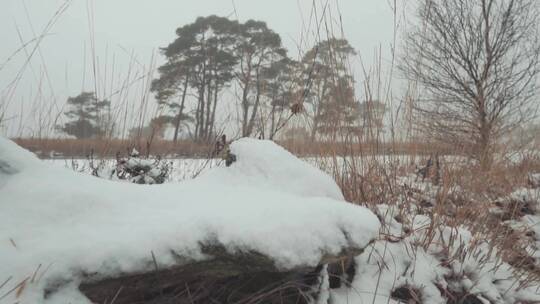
<point>264,164</point>
<point>455,265</point>
<point>57,225</point>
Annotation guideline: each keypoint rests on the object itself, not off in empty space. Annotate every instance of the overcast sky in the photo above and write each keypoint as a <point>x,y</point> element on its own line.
<point>125,35</point>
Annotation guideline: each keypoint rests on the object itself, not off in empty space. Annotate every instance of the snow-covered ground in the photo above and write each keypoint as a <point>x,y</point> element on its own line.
<point>57,225</point>
<point>453,267</point>
<point>430,261</point>
<point>187,168</point>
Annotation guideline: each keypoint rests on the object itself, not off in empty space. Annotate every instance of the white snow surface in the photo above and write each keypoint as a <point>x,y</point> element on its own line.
<point>385,266</point>
<point>56,224</point>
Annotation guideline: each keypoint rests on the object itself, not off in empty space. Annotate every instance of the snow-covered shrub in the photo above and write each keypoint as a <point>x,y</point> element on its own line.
<point>140,170</point>
<point>133,168</point>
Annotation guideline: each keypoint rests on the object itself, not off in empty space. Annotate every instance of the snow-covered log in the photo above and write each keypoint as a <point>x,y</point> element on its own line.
<point>62,232</point>
<point>223,278</point>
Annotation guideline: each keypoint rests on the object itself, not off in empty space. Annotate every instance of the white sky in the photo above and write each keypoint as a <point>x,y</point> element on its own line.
<point>62,66</point>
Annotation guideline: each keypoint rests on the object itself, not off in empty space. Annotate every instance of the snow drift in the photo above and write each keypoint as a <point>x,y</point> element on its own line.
<point>58,226</point>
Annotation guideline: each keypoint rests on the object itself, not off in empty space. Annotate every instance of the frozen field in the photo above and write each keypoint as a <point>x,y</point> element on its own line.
<point>182,168</point>
<point>187,168</point>
<point>268,201</point>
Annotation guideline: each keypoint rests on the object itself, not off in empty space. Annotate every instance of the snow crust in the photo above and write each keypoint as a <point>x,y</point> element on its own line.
<point>420,253</point>
<point>56,224</point>
<point>387,265</point>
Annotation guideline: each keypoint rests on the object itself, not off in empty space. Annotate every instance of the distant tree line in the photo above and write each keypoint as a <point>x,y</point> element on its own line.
<point>87,116</point>
<point>474,63</point>
<point>265,85</point>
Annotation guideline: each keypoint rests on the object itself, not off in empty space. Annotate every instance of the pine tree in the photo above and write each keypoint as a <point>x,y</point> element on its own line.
<point>88,116</point>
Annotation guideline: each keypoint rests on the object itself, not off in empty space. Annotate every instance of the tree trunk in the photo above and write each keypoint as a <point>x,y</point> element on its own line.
<point>202,89</point>
<point>317,113</point>
<point>484,151</point>
<point>272,123</point>
<point>180,111</point>
<point>251,122</point>
<point>208,105</point>
<point>197,121</point>
<point>245,102</point>
<point>245,108</point>
<point>213,118</point>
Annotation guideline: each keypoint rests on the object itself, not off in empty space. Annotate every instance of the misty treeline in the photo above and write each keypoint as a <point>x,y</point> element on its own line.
<point>219,69</point>
<point>87,116</point>
<point>472,71</point>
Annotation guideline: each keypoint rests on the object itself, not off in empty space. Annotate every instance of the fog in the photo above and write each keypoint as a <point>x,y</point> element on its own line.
<point>101,45</point>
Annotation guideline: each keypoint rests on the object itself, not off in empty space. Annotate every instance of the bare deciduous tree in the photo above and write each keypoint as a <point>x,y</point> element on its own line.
<point>477,62</point>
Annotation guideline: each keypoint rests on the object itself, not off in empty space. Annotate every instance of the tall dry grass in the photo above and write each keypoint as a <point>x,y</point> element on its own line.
<point>374,169</point>
<point>370,167</point>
